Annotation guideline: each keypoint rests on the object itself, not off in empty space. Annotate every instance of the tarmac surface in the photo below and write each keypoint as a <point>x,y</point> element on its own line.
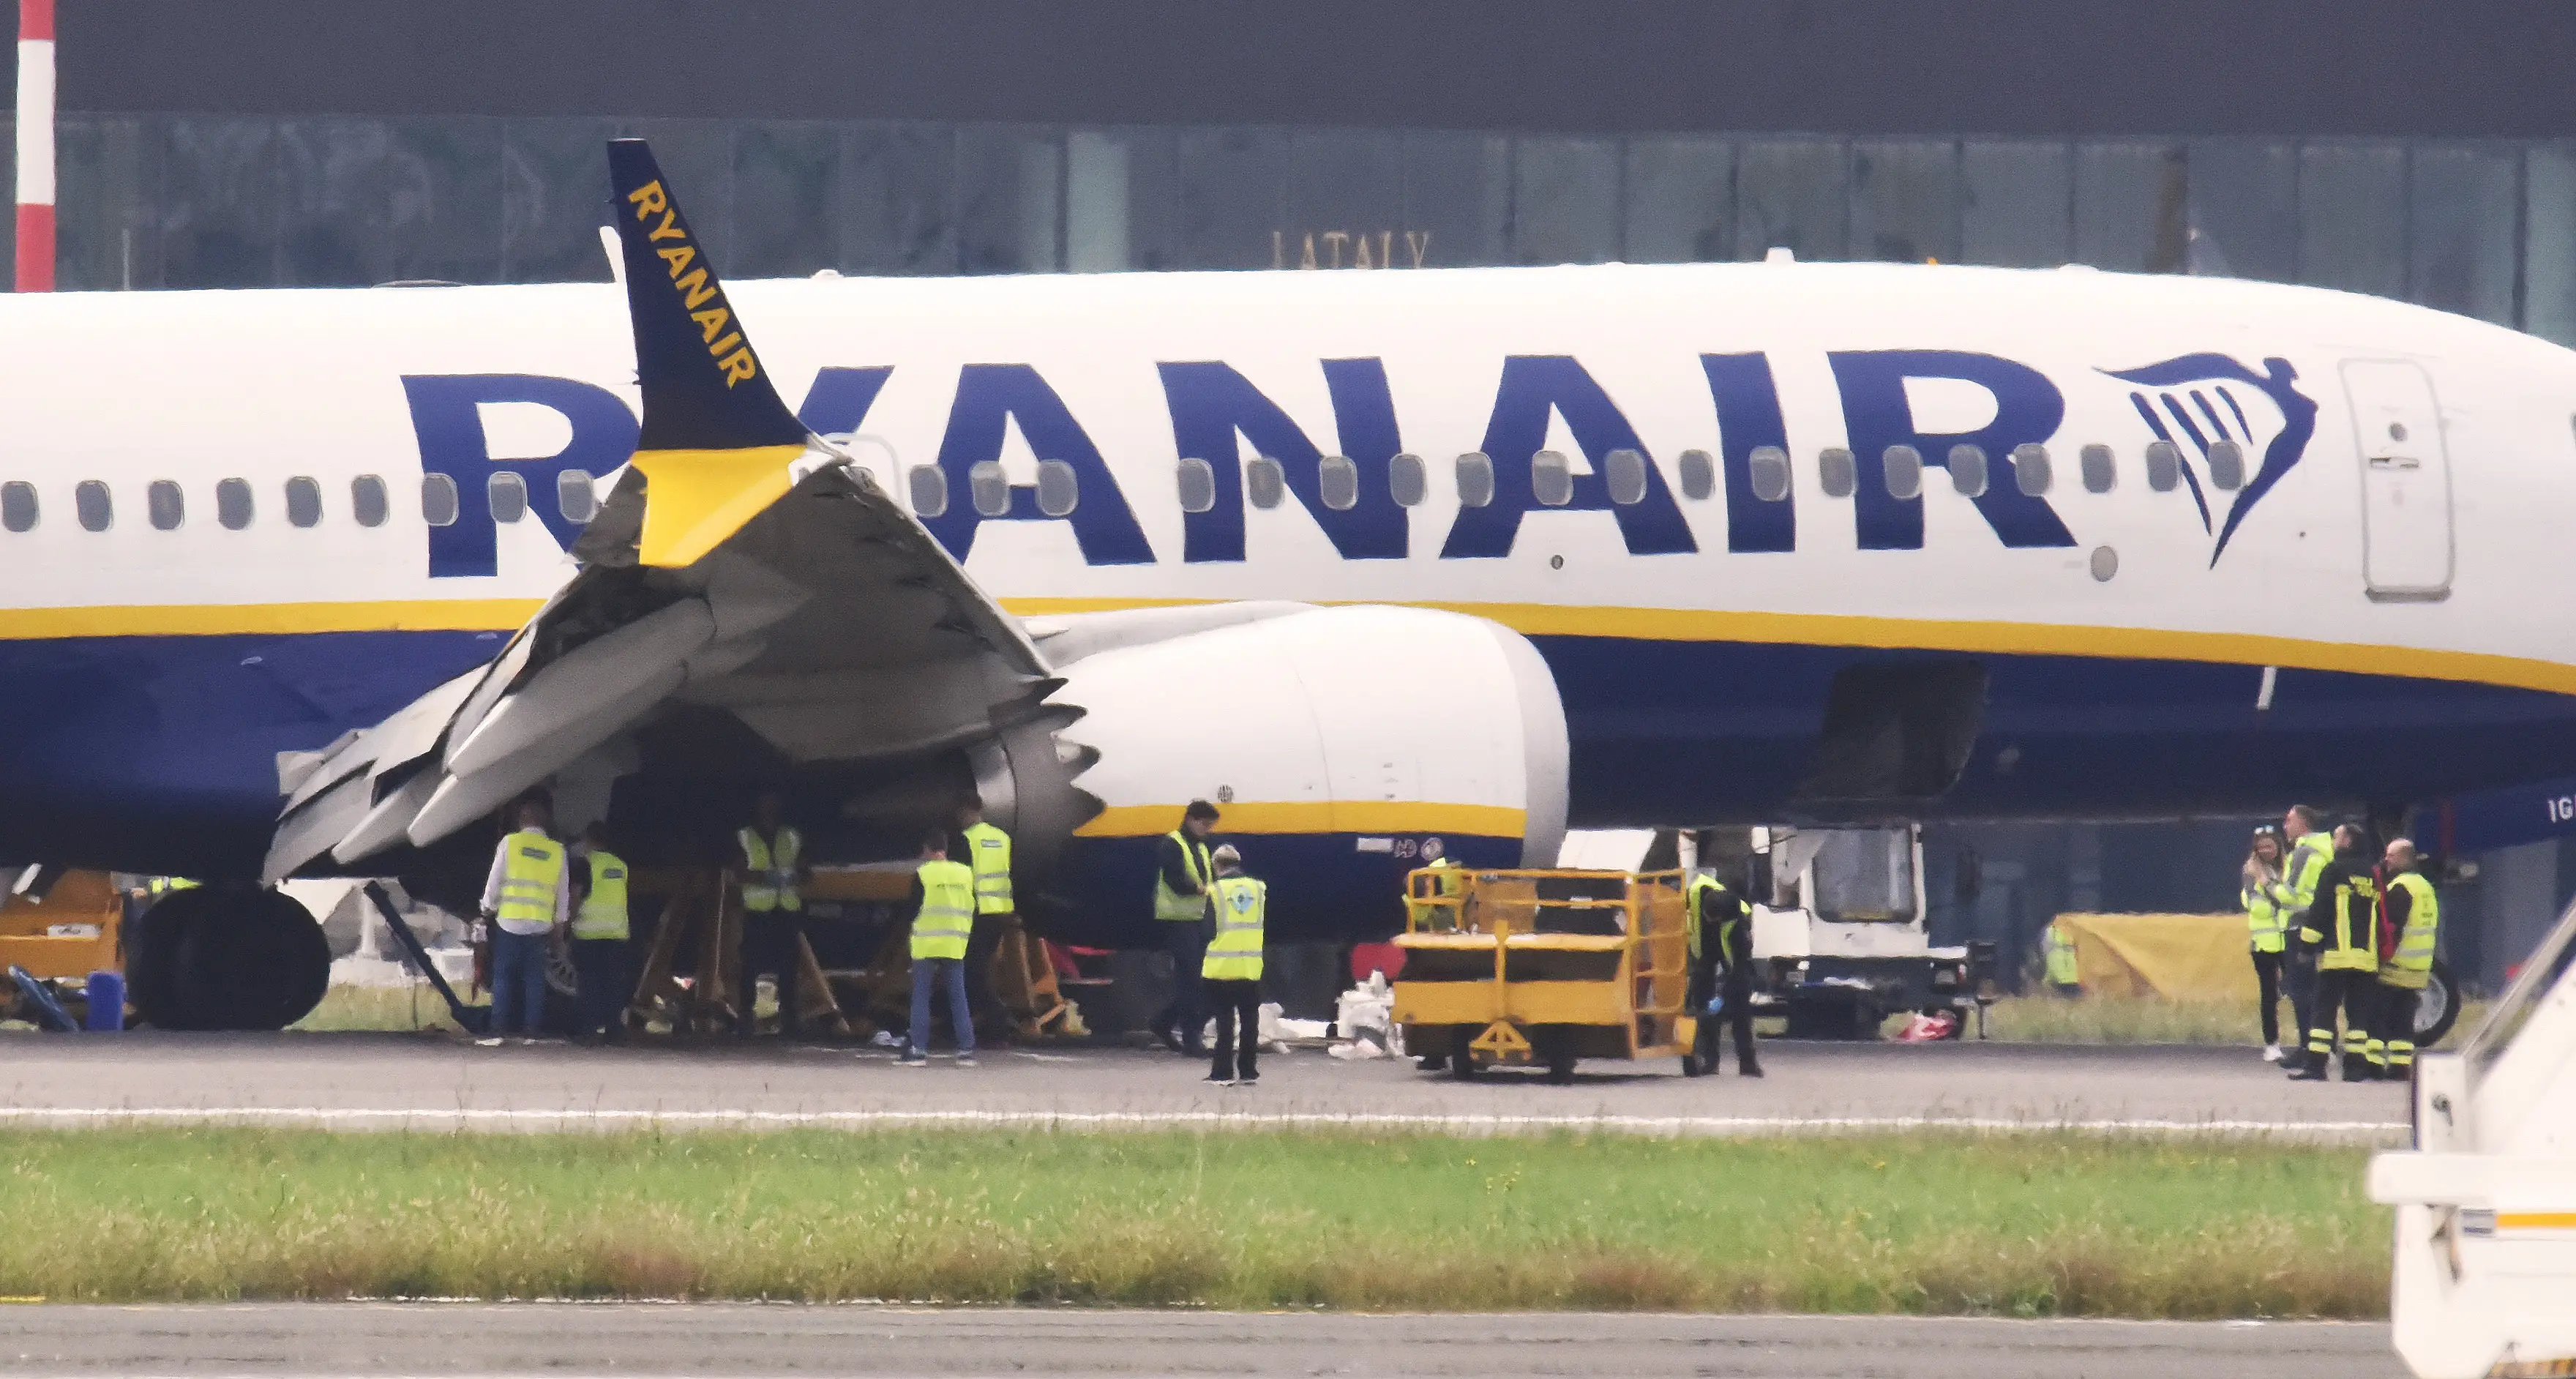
<point>362,1080</point>
<point>574,1338</point>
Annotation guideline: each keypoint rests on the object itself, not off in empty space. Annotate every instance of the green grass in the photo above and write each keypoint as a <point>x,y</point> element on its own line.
<point>2036,1224</point>
<point>411,1007</point>
<point>2149,1020</point>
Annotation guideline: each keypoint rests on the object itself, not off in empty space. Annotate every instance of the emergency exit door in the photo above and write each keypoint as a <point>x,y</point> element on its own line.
<point>2405,480</point>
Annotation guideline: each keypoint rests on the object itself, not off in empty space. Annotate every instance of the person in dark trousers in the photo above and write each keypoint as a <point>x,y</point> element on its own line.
<point>2341,930</point>
<point>1721,952</point>
<point>2267,931</point>
<point>1183,876</point>
<point>2310,849</point>
<point>769,856</point>
<point>943,914</point>
<point>986,851</point>
<point>1232,968</point>
<point>2411,921</point>
<point>599,938</point>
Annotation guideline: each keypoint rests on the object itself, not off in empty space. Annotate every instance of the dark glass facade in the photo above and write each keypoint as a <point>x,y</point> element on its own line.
<point>2484,227</point>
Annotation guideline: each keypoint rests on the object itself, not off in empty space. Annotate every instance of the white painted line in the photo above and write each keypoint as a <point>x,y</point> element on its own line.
<point>1149,1120</point>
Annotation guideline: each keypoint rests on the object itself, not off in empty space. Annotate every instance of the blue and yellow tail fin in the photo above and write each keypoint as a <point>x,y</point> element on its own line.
<point>716,441</point>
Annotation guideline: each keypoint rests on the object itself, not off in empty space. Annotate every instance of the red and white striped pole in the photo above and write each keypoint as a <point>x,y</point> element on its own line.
<point>35,145</point>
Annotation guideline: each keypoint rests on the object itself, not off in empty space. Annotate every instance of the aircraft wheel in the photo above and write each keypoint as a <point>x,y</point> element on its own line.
<point>154,977</point>
<point>2438,1008</point>
<point>1462,1060</point>
<point>250,960</point>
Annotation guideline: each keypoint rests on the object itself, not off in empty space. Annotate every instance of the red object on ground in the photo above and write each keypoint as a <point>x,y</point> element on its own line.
<point>1376,957</point>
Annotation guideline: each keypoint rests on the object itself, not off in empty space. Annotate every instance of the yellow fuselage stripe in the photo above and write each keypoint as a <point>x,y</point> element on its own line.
<point>1342,816</point>
<point>2536,1220</point>
<point>1935,634</point>
<point>1547,620</point>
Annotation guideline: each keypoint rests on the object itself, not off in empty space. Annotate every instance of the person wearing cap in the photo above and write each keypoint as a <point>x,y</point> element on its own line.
<point>1183,875</point>
<point>1231,969</point>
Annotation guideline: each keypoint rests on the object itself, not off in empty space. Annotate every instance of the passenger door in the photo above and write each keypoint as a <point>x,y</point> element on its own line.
<point>2405,480</point>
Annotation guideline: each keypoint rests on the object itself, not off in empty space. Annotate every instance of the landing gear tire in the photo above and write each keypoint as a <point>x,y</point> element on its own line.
<point>2438,1008</point>
<point>1556,1049</point>
<point>213,958</point>
<point>1462,1060</point>
<point>1692,1067</point>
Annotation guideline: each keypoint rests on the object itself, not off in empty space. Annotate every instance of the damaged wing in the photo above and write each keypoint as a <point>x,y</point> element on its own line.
<point>742,569</point>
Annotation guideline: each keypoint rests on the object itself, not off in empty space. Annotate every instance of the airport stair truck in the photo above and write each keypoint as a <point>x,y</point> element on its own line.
<point>1840,939</point>
<point>2484,1281</point>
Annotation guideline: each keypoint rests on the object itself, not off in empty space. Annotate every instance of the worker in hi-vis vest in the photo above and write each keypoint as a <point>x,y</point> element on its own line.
<point>2267,930</point>
<point>2341,930</point>
<point>526,900</point>
<point>2058,961</point>
<point>2311,848</point>
<point>1721,968</point>
<point>943,914</point>
<point>1231,968</point>
<point>2413,921</point>
<point>606,979</point>
<point>770,856</point>
<point>1182,876</point>
<point>1444,882</point>
<point>986,851</point>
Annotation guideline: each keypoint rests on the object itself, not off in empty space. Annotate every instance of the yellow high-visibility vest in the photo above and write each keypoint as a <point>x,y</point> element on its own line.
<point>2353,946</point>
<point>2266,928</point>
<point>2063,970</point>
<point>1695,901</point>
<point>163,885</point>
<point>1444,881</point>
<point>2411,966</point>
<point>990,851</point>
<point>2298,888</point>
<point>947,910</point>
<point>1234,955</point>
<point>772,883</point>
<point>531,873</point>
<point>603,911</point>
<point>1172,905</point>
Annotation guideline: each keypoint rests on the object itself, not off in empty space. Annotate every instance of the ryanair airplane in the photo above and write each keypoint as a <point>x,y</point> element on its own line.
<point>315,581</point>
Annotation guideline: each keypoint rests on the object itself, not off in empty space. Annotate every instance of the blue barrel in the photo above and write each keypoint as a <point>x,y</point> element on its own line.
<point>106,1002</point>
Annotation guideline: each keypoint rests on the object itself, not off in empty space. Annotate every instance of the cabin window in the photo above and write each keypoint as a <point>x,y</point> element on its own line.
<point>1338,479</point>
<point>2030,469</point>
<point>1904,466</point>
<point>1552,478</point>
<point>438,500</point>
<point>95,507</point>
<point>233,506</point>
<point>990,488</point>
<point>1627,476</point>
<point>1408,481</point>
<point>2099,472</point>
<point>165,505</point>
<point>2164,466</point>
<point>303,502</point>
<point>1837,472</point>
<point>1769,471</point>
<point>1059,488</point>
<point>2227,465</point>
<point>1699,475</point>
<point>1968,470</point>
<point>1264,482</point>
<point>929,490</point>
<point>508,495</point>
<point>367,500</point>
<point>574,497</point>
<point>1475,479</point>
<point>1196,480</point>
<point>18,508</point>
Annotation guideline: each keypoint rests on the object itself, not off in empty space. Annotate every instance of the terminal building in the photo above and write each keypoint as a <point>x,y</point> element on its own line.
<point>2415,152</point>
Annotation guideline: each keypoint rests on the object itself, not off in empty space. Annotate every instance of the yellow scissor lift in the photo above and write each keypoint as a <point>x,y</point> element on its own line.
<point>1543,968</point>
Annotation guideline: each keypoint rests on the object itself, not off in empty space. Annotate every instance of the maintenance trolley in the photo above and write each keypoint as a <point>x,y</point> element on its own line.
<point>1542,968</point>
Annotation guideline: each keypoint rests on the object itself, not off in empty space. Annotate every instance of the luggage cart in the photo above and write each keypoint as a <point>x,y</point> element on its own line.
<point>1543,968</point>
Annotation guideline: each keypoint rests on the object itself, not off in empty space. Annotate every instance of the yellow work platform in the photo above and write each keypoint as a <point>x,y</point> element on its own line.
<point>1543,967</point>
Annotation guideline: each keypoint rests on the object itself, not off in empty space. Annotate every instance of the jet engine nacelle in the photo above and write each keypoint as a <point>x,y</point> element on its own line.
<point>1340,744</point>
